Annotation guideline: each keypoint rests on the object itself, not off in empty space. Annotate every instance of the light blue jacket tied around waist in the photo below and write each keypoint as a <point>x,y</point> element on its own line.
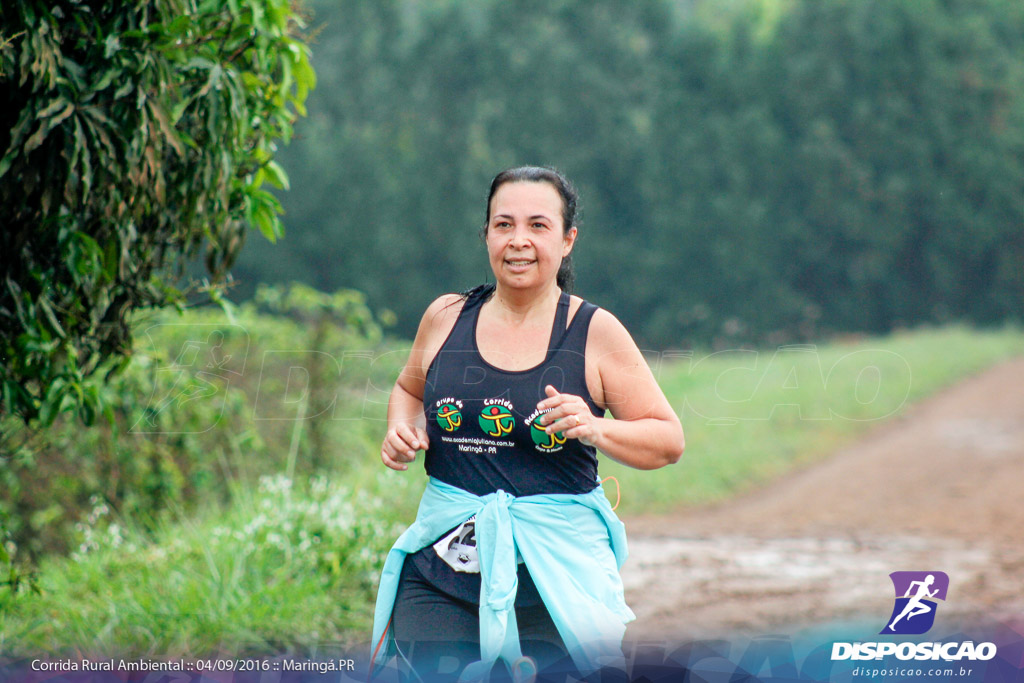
<point>573,546</point>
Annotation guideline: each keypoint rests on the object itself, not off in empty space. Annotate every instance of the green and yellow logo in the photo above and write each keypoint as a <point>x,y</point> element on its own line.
<point>449,418</point>
<point>497,421</point>
<point>543,440</point>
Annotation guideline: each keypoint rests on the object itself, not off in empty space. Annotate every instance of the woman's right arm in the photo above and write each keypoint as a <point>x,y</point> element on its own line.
<point>406,421</point>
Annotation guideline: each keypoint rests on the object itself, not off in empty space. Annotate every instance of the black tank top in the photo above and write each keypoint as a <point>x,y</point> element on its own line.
<point>481,420</point>
<point>482,430</point>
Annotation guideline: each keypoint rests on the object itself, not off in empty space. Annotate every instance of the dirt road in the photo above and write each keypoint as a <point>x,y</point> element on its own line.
<point>941,488</point>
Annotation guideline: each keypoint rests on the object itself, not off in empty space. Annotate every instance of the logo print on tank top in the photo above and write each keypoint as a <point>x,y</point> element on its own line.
<point>548,443</point>
<point>449,414</point>
<point>496,418</point>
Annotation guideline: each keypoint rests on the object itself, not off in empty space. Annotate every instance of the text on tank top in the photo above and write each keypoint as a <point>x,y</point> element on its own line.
<point>482,420</point>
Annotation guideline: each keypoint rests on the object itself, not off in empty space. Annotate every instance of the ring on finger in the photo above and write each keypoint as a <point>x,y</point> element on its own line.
<point>575,420</point>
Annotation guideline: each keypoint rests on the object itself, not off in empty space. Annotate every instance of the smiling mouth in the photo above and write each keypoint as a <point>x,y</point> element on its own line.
<point>518,263</point>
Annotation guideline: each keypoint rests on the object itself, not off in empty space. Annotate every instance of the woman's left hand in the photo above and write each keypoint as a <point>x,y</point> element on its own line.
<point>570,415</point>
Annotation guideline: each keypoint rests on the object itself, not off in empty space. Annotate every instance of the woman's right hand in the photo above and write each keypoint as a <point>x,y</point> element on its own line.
<point>406,419</point>
<point>400,445</point>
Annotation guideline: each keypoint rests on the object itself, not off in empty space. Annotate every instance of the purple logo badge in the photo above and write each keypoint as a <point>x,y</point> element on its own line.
<point>916,595</point>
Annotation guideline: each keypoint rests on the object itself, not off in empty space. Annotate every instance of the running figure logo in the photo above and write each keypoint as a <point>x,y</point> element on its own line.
<point>916,595</point>
<point>497,421</point>
<point>544,441</point>
<point>448,417</point>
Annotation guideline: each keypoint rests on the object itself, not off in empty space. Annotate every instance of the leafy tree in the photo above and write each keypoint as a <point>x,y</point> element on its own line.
<point>131,135</point>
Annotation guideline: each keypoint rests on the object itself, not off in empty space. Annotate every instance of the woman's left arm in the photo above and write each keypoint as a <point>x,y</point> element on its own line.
<point>646,432</point>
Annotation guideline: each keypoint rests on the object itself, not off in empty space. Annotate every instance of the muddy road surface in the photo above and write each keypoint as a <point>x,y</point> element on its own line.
<point>940,488</point>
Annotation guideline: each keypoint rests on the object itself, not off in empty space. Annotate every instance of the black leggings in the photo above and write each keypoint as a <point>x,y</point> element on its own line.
<point>439,634</point>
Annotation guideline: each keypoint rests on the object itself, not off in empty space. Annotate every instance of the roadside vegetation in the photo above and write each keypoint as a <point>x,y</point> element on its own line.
<point>255,546</point>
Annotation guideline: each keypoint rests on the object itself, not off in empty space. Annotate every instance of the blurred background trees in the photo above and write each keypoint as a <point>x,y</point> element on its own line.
<point>757,171</point>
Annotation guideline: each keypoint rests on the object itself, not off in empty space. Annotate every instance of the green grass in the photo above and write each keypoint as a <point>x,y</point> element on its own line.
<point>284,569</point>
<point>753,416</point>
<point>288,568</point>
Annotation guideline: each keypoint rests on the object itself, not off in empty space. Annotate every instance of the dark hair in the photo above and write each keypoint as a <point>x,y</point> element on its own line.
<point>570,203</point>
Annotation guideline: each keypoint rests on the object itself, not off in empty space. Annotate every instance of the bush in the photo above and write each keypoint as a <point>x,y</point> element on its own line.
<point>211,400</point>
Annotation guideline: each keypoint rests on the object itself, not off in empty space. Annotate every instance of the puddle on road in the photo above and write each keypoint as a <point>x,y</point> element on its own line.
<point>989,437</point>
<point>709,584</point>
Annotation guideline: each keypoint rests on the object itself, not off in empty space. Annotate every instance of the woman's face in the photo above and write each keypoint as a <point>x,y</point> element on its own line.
<point>525,238</point>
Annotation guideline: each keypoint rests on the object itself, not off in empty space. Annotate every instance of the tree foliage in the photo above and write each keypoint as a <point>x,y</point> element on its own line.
<point>131,135</point>
<point>753,171</point>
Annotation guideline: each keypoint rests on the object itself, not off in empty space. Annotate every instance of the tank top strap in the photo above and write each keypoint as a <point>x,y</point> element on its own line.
<point>558,328</point>
<point>460,338</point>
<point>475,298</point>
<point>575,336</point>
